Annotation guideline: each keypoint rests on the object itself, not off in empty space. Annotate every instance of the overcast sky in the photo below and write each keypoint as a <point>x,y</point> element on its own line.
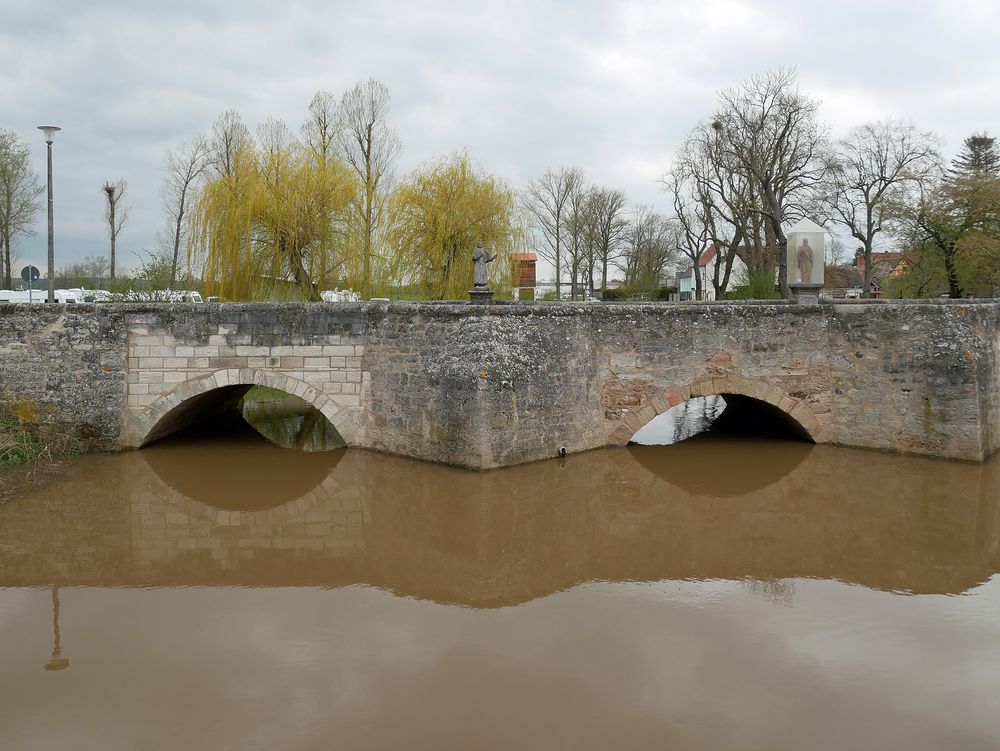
<point>611,87</point>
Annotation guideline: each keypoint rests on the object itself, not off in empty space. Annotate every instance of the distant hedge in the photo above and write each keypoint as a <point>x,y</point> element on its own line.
<point>624,293</point>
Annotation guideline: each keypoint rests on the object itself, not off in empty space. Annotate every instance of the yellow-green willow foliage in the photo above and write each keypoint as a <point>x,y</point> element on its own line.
<point>279,214</point>
<point>438,214</point>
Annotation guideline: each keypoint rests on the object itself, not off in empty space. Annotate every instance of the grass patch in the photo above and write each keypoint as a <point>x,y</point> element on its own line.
<point>19,445</point>
<point>264,394</point>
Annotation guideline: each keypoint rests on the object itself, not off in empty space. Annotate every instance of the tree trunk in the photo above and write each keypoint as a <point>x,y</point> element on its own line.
<point>177,242</point>
<point>558,283</point>
<point>366,283</point>
<point>302,278</point>
<point>112,225</point>
<point>867,291</point>
<point>5,263</point>
<point>782,260</point>
<point>954,289</point>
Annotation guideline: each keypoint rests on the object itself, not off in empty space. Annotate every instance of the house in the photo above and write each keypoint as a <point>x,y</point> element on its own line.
<point>843,282</point>
<point>707,262</point>
<point>524,275</point>
<point>885,266</point>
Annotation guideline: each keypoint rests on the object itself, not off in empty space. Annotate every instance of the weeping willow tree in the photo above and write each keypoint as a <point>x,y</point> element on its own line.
<point>276,215</point>
<point>438,214</point>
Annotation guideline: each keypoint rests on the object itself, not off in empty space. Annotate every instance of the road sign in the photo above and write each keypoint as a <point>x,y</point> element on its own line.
<point>30,274</point>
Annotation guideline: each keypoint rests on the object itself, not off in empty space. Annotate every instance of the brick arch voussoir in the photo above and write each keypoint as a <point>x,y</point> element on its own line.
<point>170,400</point>
<point>797,409</point>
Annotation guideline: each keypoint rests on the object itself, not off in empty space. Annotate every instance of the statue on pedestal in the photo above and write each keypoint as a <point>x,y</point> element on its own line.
<point>481,257</point>
<point>481,292</point>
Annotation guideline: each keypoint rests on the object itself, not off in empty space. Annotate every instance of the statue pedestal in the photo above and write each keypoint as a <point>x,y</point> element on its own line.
<point>806,294</point>
<point>480,296</point>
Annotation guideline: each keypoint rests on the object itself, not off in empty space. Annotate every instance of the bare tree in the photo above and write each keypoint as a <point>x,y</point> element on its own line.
<point>771,132</point>
<point>578,236</point>
<point>650,248</point>
<point>274,136</point>
<point>91,272</point>
<point>690,215</point>
<point>370,147</point>
<point>728,205</point>
<point>546,198</point>
<point>869,169</point>
<point>114,213</point>
<point>20,198</point>
<point>228,143</point>
<point>321,127</point>
<point>607,213</point>
<point>184,164</point>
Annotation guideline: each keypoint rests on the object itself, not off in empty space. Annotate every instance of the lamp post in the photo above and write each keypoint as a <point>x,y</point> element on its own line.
<point>57,661</point>
<point>50,132</point>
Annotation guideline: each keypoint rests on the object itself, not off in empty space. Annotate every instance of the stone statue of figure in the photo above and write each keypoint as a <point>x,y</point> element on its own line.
<point>481,257</point>
<point>804,260</point>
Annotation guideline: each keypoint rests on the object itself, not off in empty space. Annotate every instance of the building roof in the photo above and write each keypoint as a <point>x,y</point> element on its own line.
<point>524,256</point>
<point>883,264</point>
<point>843,276</point>
<point>707,255</point>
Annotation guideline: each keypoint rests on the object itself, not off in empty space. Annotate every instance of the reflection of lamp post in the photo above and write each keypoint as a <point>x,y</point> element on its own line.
<point>57,661</point>
<point>50,132</point>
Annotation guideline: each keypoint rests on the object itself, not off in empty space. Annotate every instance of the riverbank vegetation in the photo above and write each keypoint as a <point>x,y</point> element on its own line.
<point>20,441</point>
<point>19,444</point>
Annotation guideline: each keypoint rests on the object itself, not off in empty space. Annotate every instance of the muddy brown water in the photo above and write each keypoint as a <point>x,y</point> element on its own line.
<point>227,593</point>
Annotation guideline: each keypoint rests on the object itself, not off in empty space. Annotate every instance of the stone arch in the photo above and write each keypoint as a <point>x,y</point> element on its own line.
<point>796,410</point>
<point>148,424</point>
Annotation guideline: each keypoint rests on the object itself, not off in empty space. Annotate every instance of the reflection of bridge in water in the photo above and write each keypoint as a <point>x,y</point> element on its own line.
<point>506,537</point>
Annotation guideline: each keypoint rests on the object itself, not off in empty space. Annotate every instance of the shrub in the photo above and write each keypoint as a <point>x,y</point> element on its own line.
<point>662,293</point>
<point>619,293</point>
<point>18,444</point>
<point>759,286</point>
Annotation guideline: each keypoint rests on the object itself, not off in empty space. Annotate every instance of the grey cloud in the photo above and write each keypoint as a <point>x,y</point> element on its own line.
<point>610,86</point>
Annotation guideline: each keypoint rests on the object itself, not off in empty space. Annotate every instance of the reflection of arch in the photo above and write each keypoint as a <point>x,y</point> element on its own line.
<point>270,476</point>
<point>329,492</point>
<point>797,411</point>
<point>189,400</point>
<point>746,472</point>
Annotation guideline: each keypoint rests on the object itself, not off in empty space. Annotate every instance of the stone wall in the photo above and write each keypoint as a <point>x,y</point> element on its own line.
<point>516,383</point>
<point>989,375</point>
<point>66,364</point>
<point>490,386</point>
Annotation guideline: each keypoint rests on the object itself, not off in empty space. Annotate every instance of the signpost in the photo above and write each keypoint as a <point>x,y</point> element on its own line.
<point>30,274</point>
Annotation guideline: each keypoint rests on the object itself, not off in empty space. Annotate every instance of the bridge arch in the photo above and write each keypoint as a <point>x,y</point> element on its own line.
<point>796,412</point>
<point>189,400</point>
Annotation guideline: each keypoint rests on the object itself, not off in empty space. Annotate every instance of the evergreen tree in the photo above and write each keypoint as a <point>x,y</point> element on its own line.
<point>979,157</point>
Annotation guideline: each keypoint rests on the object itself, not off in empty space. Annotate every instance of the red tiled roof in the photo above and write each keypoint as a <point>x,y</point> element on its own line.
<point>706,257</point>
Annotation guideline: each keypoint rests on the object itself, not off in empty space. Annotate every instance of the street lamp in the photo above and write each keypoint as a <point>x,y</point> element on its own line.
<point>50,132</point>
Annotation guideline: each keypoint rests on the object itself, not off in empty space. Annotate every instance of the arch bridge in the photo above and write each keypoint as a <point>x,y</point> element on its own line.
<point>490,386</point>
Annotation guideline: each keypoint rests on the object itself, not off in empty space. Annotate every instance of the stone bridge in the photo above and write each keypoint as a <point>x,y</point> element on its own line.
<point>491,386</point>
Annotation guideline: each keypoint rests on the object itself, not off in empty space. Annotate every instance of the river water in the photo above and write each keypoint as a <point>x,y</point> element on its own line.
<point>223,592</point>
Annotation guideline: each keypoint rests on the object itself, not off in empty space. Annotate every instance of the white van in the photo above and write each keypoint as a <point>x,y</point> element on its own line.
<point>38,296</point>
